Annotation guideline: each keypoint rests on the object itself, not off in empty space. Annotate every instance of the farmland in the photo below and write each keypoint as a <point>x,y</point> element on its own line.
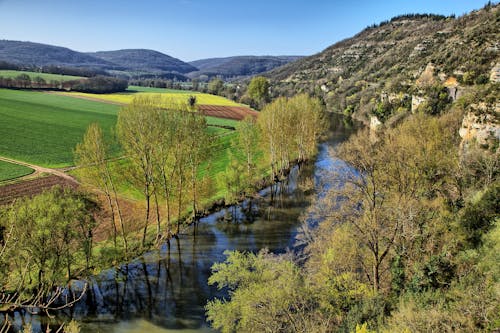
<point>10,171</point>
<point>44,129</point>
<point>127,97</point>
<point>47,77</point>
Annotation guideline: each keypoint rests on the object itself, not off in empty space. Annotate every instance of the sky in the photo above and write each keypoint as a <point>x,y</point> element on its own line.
<point>197,29</point>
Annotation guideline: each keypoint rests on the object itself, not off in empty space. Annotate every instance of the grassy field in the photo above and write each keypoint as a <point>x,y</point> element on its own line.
<point>221,122</point>
<point>44,129</point>
<point>47,77</point>
<point>126,97</point>
<point>11,171</point>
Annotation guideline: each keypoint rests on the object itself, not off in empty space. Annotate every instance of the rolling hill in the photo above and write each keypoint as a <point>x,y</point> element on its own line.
<point>144,60</point>
<point>238,66</point>
<point>122,62</point>
<point>28,53</point>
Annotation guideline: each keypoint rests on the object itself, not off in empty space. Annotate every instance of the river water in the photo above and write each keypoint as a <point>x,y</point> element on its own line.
<point>166,290</point>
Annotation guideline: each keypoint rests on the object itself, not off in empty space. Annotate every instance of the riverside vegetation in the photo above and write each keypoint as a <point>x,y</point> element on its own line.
<point>408,241</point>
<point>49,240</point>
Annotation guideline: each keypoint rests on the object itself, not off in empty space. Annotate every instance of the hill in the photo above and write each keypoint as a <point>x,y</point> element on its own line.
<point>144,60</point>
<point>391,66</point>
<point>36,54</point>
<point>239,66</point>
<point>130,63</point>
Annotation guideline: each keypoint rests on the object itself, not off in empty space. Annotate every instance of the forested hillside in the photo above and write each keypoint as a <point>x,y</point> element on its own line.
<point>144,60</point>
<point>54,59</point>
<point>393,67</point>
<point>237,67</point>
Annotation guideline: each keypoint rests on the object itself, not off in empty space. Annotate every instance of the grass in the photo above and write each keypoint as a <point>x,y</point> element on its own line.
<point>128,96</point>
<point>47,77</point>
<point>44,129</point>
<point>10,171</point>
<point>221,122</point>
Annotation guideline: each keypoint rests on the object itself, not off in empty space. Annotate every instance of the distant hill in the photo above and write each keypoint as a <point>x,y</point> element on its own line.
<point>238,67</point>
<point>129,63</point>
<point>144,60</point>
<point>28,53</point>
<point>387,65</point>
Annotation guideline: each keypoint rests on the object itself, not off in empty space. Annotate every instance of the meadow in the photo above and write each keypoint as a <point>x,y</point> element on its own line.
<point>10,171</point>
<point>47,77</point>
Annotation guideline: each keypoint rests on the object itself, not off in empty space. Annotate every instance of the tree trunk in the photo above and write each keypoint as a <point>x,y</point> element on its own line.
<point>148,203</point>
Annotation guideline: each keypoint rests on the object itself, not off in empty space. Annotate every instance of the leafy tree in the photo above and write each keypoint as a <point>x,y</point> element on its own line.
<point>247,143</point>
<point>215,86</point>
<point>92,155</point>
<point>138,132</point>
<point>258,90</point>
<point>268,294</point>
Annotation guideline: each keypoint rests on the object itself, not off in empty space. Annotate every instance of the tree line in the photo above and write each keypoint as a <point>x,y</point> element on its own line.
<point>97,84</point>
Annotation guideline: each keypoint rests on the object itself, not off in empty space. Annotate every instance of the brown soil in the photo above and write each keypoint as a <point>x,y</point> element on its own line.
<point>29,188</point>
<point>228,112</point>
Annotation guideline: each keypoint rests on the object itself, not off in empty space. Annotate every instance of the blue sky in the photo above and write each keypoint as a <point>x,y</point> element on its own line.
<point>195,29</point>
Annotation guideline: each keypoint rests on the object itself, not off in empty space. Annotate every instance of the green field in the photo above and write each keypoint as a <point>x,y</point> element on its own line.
<point>44,129</point>
<point>221,122</point>
<point>10,171</point>
<point>47,77</point>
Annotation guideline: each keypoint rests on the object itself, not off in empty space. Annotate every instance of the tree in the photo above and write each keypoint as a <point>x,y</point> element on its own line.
<point>139,133</point>
<point>92,155</point>
<point>42,240</point>
<point>268,294</point>
<point>258,90</point>
<point>247,144</point>
<point>393,200</point>
<point>215,86</point>
<point>290,129</point>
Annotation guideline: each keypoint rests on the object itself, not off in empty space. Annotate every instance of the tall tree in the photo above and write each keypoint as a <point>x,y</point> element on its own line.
<point>92,155</point>
<point>139,133</point>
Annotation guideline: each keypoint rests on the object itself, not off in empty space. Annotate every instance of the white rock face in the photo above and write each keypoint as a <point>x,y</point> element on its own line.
<point>374,123</point>
<point>416,101</point>
<point>482,127</point>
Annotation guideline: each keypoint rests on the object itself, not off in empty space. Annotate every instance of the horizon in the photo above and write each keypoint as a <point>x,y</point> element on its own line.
<point>231,29</point>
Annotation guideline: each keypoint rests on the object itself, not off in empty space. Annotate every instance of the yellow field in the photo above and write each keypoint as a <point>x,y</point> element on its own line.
<point>126,97</point>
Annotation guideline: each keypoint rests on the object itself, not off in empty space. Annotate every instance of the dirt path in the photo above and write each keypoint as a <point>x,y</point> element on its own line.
<point>38,170</point>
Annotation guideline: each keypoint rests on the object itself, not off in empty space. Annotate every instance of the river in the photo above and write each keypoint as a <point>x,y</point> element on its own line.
<point>166,290</point>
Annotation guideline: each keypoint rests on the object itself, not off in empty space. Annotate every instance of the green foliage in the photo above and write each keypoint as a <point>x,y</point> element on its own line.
<point>258,90</point>
<point>215,86</point>
<point>49,234</point>
<point>437,100</point>
<point>478,216</point>
<point>290,129</point>
<point>268,294</point>
<point>436,273</point>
